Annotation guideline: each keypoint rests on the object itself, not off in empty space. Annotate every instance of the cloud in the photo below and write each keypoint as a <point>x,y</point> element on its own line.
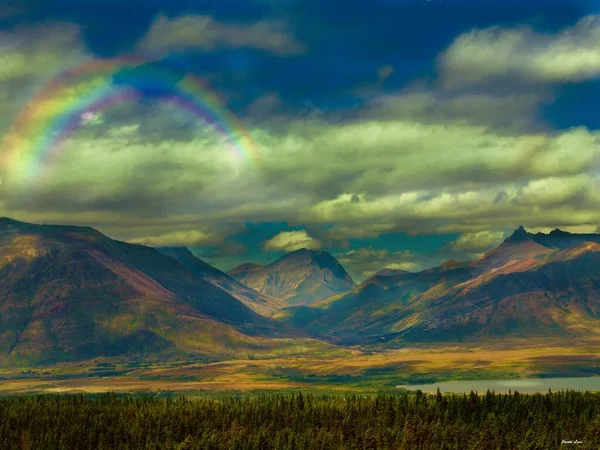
<point>288,241</point>
<point>384,72</point>
<point>375,160</point>
<point>189,238</point>
<point>31,51</point>
<point>430,105</point>
<point>225,249</point>
<point>264,106</point>
<point>477,242</point>
<point>362,178</point>
<point>578,229</point>
<point>30,56</point>
<point>423,160</point>
<point>523,55</point>
<point>363,262</point>
<point>554,190</point>
<point>197,32</point>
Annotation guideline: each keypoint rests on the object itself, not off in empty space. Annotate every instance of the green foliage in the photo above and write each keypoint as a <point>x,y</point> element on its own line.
<point>284,422</point>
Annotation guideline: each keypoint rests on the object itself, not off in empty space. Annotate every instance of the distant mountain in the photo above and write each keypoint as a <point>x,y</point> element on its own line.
<point>72,293</point>
<point>530,285</point>
<point>301,277</point>
<point>244,269</point>
<point>263,304</point>
<point>388,273</point>
<point>558,239</point>
<point>69,293</point>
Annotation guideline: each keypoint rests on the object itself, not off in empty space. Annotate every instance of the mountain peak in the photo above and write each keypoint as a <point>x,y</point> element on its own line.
<point>520,230</point>
<point>301,250</point>
<point>559,232</point>
<point>302,276</point>
<point>519,235</point>
<point>388,272</point>
<point>244,268</point>
<point>320,258</point>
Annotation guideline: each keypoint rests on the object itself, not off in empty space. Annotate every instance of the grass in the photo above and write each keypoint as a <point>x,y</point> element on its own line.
<point>362,371</point>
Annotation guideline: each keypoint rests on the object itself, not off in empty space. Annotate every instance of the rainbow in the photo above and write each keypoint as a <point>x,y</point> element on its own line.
<point>60,108</point>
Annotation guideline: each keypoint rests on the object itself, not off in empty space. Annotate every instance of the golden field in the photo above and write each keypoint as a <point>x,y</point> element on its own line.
<point>362,371</point>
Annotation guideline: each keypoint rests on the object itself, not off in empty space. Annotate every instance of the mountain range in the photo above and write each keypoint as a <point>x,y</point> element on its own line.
<point>263,304</point>
<point>530,285</point>
<point>72,293</point>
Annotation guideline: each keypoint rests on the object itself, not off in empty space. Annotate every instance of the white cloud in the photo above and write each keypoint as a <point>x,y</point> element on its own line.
<point>197,32</point>
<point>553,190</point>
<point>571,229</point>
<point>189,238</point>
<point>516,111</point>
<point>288,241</point>
<point>365,178</point>
<point>522,54</point>
<point>477,242</point>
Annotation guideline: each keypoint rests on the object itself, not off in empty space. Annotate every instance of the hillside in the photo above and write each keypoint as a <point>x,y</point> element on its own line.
<point>72,293</point>
<point>262,304</point>
<point>302,277</point>
<point>244,269</point>
<point>530,285</point>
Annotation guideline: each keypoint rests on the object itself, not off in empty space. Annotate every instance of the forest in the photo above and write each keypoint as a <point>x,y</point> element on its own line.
<point>405,421</point>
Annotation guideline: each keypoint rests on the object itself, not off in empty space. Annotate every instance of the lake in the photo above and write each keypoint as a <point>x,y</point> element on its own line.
<point>524,385</point>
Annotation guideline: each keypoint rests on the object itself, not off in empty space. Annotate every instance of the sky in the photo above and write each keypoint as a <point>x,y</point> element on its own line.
<point>391,133</point>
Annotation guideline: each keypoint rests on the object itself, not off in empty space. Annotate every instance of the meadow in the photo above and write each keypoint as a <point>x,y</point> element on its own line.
<point>357,371</point>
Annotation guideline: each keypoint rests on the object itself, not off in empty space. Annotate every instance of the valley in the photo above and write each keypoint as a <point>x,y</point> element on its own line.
<point>347,371</point>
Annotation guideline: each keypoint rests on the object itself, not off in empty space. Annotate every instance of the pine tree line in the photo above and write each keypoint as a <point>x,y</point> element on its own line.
<point>505,421</point>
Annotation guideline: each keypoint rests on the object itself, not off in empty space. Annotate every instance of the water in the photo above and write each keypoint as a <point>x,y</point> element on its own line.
<point>524,385</point>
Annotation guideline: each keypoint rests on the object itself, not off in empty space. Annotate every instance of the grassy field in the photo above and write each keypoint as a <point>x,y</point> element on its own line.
<point>361,371</point>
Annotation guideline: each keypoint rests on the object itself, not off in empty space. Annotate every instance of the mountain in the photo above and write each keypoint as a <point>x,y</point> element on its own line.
<point>558,239</point>
<point>301,277</point>
<point>263,304</point>
<point>244,269</point>
<point>388,273</point>
<point>530,285</point>
<point>71,293</point>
